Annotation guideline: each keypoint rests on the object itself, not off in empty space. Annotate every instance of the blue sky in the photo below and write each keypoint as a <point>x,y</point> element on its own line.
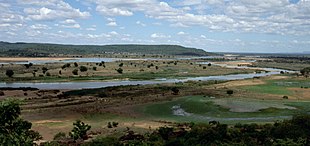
<point>212,25</point>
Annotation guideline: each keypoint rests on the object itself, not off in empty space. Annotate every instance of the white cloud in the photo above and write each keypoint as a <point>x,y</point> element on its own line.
<point>51,10</point>
<point>140,23</point>
<point>181,33</point>
<point>203,36</point>
<point>71,26</point>
<point>68,21</point>
<point>159,35</point>
<point>112,23</point>
<point>40,27</point>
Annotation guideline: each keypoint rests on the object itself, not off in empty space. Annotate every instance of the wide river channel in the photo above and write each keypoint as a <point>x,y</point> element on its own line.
<point>100,84</point>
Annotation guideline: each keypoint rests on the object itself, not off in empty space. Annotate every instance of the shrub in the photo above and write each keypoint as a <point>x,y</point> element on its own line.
<point>75,64</point>
<point>79,130</point>
<point>48,74</point>
<point>114,124</point>
<point>83,68</point>
<point>1,93</point>
<point>204,67</point>
<point>9,73</point>
<point>230,92</point>
<point>285,97</point>
<point>75,72</point>
<point>121,64</point>
<point>44,70</point>
<point>175,90</point>
<point>60,136</point>
<point>110,125</point>
<point>94,68</point>
<point>120,70</point>
<point>209,64</point>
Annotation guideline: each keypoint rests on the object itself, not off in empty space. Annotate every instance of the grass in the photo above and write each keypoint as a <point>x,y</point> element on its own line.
<point>204,109</point>
<point>279,87</point>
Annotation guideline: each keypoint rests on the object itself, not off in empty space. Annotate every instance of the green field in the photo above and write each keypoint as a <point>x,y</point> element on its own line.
<point>202,109</point>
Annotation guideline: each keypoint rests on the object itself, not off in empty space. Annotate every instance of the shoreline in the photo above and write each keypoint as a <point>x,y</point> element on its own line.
<point>26,59</point>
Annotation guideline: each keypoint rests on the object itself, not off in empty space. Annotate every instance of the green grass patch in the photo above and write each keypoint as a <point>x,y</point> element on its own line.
<point>203,109</point>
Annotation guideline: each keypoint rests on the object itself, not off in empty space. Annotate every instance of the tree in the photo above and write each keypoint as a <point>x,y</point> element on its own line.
<point>75,64</point>
<point>9,73</point>
<point>79,130</point>
<point>121,64</point>
<point>75,72</point>
<point>175,90</point>
<point>305,71</point>
<point>120,70</point>
<point>209,64</point>
<point>13,129</point>
<point>83,68</point>
<point>44,70</point>
<point>230,92</point>
<point>94,68</point>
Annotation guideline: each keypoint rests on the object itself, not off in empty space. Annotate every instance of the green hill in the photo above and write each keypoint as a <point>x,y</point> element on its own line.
<point>42,50</point>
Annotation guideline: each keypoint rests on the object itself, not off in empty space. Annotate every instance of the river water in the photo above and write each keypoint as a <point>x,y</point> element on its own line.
<point>100,84</point>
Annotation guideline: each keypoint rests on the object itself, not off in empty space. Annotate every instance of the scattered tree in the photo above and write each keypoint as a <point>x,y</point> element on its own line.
<point>79,130</point>
<point>94,68</point>
<point>305,71</point>
<point>44,70</point>
<point>13,129</point>
<point>209,64</point>
<point>121,65</point>
<point>230,92</point>
<point>76,64</point>
<point>9,73</point>
<point>120,70</point>
<point>83,68</point>
<point>75,72</point>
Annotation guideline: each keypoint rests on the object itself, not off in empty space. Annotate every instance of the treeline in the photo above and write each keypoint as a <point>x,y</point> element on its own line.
<point>289,132</point>
<point>44,50</point>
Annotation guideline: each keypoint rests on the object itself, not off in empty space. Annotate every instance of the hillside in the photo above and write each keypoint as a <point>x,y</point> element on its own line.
<point>43,50</point>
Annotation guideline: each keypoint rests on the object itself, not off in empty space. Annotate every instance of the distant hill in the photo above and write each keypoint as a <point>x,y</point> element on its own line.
<point>42,50</point>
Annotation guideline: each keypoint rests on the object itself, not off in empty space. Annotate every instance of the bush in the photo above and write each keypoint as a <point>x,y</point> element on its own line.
<point>48,74</point>
<point>285,97</point>
<point>120,70</point>
<point>1,93</point>
<point>44,70</point>
<point>114,124</point>
<point>175,90</point>
<point>94,68</point>
<point>75,64</point>
<point>75,72</point>
<point>9,73</point>
<point>121,64</point>
<point>209,64</point>
<point>109,125</point>
<point>79,130</point>
<point>230,92</point>
<point>60,136</point>
<point>83,68</point>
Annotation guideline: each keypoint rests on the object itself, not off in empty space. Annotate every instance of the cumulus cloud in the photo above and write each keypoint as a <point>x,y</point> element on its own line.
<point>160,36</point>
<point>51,10</point>
<point>140,23</point>
<point>112,23</point>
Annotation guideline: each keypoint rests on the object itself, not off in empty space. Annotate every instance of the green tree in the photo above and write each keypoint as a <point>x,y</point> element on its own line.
<point>13,129</point>
<point>44,70</point>
<point>75,72</point>
<point>9,73</point>
<point>119,70</point>
<point>79,130</point>
<point>305,71</point>
<point>83,68</point>
<point>121,64</point>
